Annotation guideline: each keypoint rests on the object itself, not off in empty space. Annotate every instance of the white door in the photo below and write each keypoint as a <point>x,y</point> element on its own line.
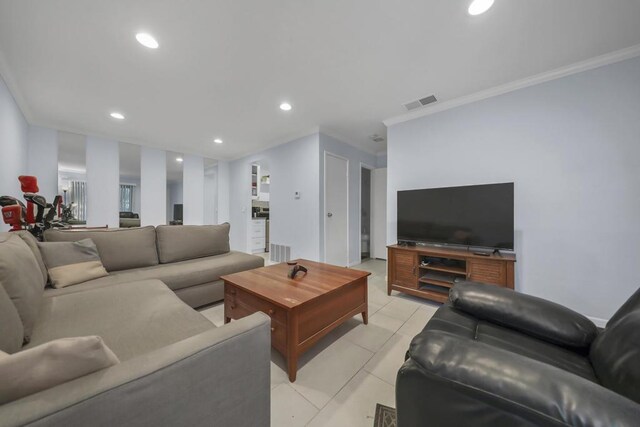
<point>379,213</point>
<point>336,210</point>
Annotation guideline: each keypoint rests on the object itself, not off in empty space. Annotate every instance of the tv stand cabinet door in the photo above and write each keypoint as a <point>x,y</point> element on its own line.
<point>488,271</point>
<point>403,268</point>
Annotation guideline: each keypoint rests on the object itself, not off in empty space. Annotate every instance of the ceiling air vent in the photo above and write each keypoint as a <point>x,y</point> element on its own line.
<point>376,138</point>
<point>420,103</point>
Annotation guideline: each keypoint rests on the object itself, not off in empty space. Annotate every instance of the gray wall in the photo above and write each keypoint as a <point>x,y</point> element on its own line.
<point>14,131</point>
<point>356,157</point>
<point>572,147</point>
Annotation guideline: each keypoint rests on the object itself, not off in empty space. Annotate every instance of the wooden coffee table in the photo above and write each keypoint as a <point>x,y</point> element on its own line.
<point>303,309</point>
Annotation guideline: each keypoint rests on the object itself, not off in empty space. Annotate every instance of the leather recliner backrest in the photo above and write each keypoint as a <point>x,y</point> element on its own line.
<point>615,352</point>
<point>632,304</point>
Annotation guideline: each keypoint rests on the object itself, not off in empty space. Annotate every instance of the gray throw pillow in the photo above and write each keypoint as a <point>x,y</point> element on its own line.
<point>11,329</point>
<point>48,365</point>
<point>21,279</point>
<point>70,263</point>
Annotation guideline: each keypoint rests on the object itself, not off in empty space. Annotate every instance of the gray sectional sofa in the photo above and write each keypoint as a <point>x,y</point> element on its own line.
<point>176,367</point>
<point>189,259</point>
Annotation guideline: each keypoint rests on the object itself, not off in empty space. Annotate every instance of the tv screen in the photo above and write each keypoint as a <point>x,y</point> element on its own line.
<point>474,215</point>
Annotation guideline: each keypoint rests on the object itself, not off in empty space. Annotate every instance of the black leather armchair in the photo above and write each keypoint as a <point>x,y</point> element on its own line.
<point>495,357</point>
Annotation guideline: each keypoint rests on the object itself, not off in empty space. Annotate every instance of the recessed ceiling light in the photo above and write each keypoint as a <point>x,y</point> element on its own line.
<point>217,141</point>
<point>285,106</point>
<point>147,40</point>
<point>478,7</point>
<point>179,159</point>
<point>116,115</point>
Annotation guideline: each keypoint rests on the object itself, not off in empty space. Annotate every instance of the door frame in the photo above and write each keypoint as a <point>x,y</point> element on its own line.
<point>371,168</point>
<point>324,203</point>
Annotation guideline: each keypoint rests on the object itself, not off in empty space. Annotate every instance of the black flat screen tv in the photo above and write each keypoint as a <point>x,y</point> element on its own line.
<point>474,215</point>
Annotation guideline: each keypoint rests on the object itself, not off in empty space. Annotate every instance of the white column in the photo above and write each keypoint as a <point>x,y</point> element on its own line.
<point>193,190</point>
<point>103,182</point>
<point>223,192</point>
<point>153,186</point>
<point>42,160</point>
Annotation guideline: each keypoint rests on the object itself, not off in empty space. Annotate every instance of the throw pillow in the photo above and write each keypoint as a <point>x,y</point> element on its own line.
<point>48,365</point>
<point>70,263</point>
<point>21,278</point>
<point>11,328</point>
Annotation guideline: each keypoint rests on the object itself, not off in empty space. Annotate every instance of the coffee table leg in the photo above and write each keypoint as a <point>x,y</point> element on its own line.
<point>227,319</point>
<point>292,368</point>
<point>292,345</point>
<point>365,317</point>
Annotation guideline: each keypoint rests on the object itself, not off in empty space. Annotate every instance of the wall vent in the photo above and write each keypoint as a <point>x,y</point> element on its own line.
<point>376,138</point>
<point>279,253</point>
<point>420,102</point>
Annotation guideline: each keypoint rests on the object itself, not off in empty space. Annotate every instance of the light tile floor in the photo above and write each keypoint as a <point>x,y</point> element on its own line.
<point>341,378</point>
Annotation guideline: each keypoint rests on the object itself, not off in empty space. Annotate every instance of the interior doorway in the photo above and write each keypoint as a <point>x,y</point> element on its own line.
<point>365,213</point>
<point>259,224</point>
<point>336,210</point>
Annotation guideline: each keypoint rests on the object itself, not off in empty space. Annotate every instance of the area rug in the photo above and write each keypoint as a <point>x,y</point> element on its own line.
<point>385,416</point>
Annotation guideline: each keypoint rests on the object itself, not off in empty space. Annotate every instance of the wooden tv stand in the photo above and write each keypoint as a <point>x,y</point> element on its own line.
<point>430,271</point>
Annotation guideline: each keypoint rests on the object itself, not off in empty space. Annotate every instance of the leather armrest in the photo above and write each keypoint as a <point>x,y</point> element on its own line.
<point>534,316</point>
<point>472,383</point>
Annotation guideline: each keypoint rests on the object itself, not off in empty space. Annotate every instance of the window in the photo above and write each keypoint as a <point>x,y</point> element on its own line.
<point>78,199</point>
<point>126,197</point>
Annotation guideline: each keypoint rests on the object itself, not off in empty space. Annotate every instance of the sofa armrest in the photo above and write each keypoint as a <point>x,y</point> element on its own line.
<point>450,380</point>
<point>221,377</point>
<point>534,316</point>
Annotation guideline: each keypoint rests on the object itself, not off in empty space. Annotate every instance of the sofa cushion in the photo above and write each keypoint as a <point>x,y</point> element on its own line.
<point>70,263</point>
<point>21,278</point>
<point>184,242</point>
<point>50,364</point>
<point>177,275</point>
<point>11,329</point>
<point>32,242</point>
<point>132,318</point>
<point>615,355</point>
<point>119,249</point>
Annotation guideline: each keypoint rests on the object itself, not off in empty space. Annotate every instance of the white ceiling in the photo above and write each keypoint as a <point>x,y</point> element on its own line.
<point>223,67</point>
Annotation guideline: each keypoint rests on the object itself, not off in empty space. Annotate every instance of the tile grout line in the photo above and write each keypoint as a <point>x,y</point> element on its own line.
<point>345,384</point>
<point>373,354</point>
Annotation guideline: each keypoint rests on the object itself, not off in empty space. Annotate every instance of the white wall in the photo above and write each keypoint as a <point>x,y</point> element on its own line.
<point>42,160</point>
<point>356,158</point>
<point>103,182</point>
<point>293,222</point>
<point>193,189</point>
<point>13,146</point>
<point>379,213</point>
<point>572,147</point>
<point>222,206</point>
<point>153,186</point>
